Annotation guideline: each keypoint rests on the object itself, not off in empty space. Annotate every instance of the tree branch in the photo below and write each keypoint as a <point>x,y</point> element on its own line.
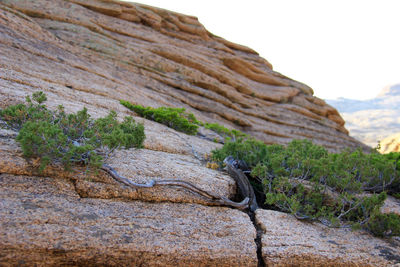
<point>211,198</point>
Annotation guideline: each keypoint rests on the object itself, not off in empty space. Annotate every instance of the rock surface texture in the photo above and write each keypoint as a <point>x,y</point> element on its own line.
<point>93,53</point>
<point>287,241</point>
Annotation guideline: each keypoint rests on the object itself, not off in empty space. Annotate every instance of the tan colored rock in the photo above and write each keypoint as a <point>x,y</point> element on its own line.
<point>250,71</point>
<point>391,205</point>
<point>287,241</point>
<point>44,222</point>
<point>113,50</point>
<point>103,6</point>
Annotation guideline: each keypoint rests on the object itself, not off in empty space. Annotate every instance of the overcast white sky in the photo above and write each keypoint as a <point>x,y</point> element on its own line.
<point>341,48</point>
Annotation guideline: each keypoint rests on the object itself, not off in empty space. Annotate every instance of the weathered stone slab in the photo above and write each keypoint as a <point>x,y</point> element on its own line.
<point>43,221</point>
<point>287,241</point>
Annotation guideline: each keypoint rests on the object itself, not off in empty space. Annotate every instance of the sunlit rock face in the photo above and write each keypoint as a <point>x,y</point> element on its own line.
<point>372,120</point>
<point>97,52</point>
<point>94,53</point>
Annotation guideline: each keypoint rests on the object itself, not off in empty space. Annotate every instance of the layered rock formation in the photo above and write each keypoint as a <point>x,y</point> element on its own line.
<point>94,53</point>
<point>155,57</point>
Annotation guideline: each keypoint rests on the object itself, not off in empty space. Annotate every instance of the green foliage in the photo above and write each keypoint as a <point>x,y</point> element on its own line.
<point>248,150</point>
<point>385,224</point>
<point>180,120</point>
<point>225,132</point>
<point>54,136</point>
<point>175,118</point>
<point>307,181</point>
<point>17,115</point>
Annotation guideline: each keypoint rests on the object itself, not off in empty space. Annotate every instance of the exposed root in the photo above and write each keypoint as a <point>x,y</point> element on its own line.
<point>211,198</point>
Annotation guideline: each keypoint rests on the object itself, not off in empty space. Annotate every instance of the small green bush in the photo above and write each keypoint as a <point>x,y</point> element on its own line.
<point>180,120</point>
<point>175,118</point>
<point>307,181</point>
<point>385,224</point>
<point>225,132</point>
<point>54,136</point>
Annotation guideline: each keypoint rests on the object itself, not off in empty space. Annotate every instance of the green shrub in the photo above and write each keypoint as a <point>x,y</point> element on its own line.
<point>17,115</point>
<point>307,181</point>
<point>175,118</point>
<point>54,136</point>
<point>180,120</point>
<point>385,224</point>
<point>225,132</point>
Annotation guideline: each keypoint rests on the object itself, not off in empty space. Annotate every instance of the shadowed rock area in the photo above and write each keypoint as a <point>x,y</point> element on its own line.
<point>94,53</point>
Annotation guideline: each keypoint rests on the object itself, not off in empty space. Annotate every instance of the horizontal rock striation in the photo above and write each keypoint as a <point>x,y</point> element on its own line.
<point>109,50</point>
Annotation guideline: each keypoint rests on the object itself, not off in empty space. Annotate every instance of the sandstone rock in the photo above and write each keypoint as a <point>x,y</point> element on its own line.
<point>45,222</point>
<point>110,50</point>
<point>391,205</point>
<point>287,241</point>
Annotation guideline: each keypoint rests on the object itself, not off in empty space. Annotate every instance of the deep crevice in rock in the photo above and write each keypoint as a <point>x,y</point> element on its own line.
<point>257,240</point>
<point>246,190</point>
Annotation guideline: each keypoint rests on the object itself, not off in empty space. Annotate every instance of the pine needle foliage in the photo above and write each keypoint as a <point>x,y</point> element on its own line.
<point>180,120</point>
<point>55,136</point>
<point>228,134</point>
<point>175,118</point>
<point>305,180</point>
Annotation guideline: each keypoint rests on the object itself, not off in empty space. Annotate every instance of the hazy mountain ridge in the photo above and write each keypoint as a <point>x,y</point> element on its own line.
<point>374,119</point>
<point>390,144</point>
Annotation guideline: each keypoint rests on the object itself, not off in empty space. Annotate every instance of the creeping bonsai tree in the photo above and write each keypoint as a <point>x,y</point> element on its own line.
<point>54,136</point>
<point>339,190</point>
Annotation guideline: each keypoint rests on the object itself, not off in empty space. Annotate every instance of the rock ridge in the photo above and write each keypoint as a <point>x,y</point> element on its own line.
<point>157,57</point>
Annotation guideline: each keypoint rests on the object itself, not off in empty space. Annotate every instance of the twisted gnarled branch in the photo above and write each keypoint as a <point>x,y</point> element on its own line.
<point>211,198</point>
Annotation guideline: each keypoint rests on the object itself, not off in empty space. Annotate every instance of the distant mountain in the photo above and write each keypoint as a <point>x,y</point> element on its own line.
<point>374,119</point>
<point>391,144</point>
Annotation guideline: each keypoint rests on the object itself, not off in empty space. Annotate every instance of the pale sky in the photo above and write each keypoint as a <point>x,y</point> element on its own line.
<point>341,48</point>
